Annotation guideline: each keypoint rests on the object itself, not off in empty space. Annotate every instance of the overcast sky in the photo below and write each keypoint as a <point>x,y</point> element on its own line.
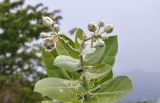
<point>137,23</point>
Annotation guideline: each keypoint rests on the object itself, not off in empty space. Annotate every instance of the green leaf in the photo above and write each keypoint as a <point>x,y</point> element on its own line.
<point>105,54</point>
<point>110,52</point>
<point>79,35</point>
<point>93,58</point>
<point>71,43</point>
<point>60,89</point>
<point>52,71</point>
<point>67,63</point>
<point>113,90</point>
<point>88,51</point>
<point>64,46</point>
<point>96,75</point>
<point>98,72</point>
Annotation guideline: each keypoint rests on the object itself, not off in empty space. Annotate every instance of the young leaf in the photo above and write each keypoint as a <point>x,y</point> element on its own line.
<point>64,46</point>
<point>60,89</point>
<point>71,43</point>
<point>110,52</point>
<point>105,54</point>
<point>67,63</point>
<point>79,35</point>
<point>52,71</point>
<point>112,90</point>
<point>93,58</point>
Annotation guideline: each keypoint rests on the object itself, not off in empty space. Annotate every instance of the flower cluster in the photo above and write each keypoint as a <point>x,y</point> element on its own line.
<point>49,41</point>
<point>95,29</point>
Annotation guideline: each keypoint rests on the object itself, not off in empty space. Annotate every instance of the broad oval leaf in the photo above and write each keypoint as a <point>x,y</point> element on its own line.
<point>71,43</point>
<point>98,72</point>
<point>105,54</point>
<point>93,58</point>
<point>110,52</point>
<point>60,89</point>
<point>47,59</point>
<point>88,51</point>
<point>67,63</point>
<point>113,90</point>
<point>65,46</point>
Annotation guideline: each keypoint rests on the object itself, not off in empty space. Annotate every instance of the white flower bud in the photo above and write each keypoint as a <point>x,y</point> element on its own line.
<point>92,27</point>
<point>101,24</point>
<point>108,28</point>
<point>56,28</point>
<point>100,42</point>
<point>47,21</point>
<point>44,35</point>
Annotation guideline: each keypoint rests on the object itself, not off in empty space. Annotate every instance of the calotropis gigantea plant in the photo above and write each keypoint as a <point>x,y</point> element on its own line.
<point>81,71</point>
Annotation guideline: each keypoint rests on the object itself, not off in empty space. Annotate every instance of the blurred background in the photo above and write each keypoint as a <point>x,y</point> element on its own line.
<point>136,23</point>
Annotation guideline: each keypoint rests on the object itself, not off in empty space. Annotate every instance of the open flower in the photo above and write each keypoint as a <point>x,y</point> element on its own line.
<point>49,43</point>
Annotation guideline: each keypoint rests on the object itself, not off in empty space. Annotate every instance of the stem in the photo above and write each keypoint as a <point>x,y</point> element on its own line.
<point>83,78</point>
<point>98,30</point>
<point>88,38</point>
<point>81,56</point>
<point>92,39</point>
<point>95,89</point>
<point>84,83</point>
<point>81,61</point>
<point>101,33</point>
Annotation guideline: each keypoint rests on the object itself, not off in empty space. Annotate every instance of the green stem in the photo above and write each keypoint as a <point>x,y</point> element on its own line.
<point>98,30</point>
<point>81,55</point>
<point>101,33</point>
<point>92,39</point>
<point>83,78</point>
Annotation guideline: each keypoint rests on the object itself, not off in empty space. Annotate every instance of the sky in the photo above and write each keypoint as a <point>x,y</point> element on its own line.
<point>137,24</point>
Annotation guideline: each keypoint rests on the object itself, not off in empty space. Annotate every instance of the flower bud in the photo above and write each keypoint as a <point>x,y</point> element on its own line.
<point>108,28</point>
<point>49,43</point>
<point>56,28</point>
<point>101,24</point>
<point>92,27</point>
<point>100,42</point>
<point>47,21</point>
<point>44,35</point>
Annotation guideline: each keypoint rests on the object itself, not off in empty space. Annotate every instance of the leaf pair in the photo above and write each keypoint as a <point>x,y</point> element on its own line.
<point>67,91</point>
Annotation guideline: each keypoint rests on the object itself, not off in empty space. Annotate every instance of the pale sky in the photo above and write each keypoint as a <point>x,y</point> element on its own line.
<point>137,23</point>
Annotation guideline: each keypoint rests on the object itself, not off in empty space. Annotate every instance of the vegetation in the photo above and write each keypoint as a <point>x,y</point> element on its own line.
<point>20,27</point>
<point>81,73</point>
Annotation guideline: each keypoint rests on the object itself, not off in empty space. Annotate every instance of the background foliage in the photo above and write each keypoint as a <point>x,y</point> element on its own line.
<point>20,27</point>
